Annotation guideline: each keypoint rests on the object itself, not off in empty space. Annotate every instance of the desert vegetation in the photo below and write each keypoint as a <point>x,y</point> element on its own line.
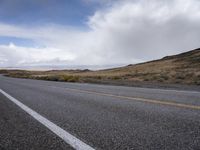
<point>180,69</point>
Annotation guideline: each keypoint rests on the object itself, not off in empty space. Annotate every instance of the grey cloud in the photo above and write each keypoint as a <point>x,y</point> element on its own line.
<point>123,33</point>
<point>147,31</point>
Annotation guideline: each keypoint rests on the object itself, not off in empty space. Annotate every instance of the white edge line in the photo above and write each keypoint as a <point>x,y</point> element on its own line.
<point>67,137</point>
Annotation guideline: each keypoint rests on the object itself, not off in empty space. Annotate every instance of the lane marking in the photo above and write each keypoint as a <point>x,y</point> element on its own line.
<point>147,88</point>
<point>67,137</point>
<point>139,99</point>
<point>172,90</point>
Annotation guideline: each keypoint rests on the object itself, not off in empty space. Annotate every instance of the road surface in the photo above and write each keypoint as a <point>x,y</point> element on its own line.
<point>99,116</point>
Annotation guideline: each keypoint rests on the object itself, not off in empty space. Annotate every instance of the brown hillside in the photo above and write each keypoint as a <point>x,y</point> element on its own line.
<point>183,68</point>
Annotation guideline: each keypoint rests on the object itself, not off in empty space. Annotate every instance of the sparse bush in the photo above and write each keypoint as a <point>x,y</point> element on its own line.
<point>116,78</point>
<point>164,77</point>
<point>69,78</point>
<point>146,79</point>
<point>155,78</point>
<point>98,77</point>
<point>180,77</point>
<point>19,75</point>
<point>160,80</point>
<point>53,78</point>
<point>74,79</point>
<point>197,82</point>
<point>64,78</point>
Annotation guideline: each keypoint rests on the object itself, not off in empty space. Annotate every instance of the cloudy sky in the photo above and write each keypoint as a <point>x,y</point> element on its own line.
<point>95,32</point>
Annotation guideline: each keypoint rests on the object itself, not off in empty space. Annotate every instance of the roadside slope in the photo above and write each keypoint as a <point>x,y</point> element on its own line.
<point>183,68</point>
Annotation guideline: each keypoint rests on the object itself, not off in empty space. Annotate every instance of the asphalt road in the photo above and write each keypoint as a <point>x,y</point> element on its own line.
<point>104,117</point>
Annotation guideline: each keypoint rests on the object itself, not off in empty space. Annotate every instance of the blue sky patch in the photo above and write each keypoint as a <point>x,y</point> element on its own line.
<point>34,12</point>
<point>6,40</point>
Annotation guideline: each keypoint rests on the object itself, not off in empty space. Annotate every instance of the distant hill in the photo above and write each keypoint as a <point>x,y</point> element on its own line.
<point>183,68</point>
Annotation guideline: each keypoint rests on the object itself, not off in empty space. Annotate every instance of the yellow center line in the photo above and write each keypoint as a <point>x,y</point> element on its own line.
<point>140,99</point>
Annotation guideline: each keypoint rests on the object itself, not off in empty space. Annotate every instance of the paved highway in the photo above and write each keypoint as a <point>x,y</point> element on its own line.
<point>54,115</point>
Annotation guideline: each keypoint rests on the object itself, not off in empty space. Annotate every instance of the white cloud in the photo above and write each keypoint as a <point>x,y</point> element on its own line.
<point>149,29</point>
<point>12,55</point>
<point>128,31</point>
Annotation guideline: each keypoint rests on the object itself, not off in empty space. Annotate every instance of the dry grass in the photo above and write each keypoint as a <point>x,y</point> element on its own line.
<point>183,68</point>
